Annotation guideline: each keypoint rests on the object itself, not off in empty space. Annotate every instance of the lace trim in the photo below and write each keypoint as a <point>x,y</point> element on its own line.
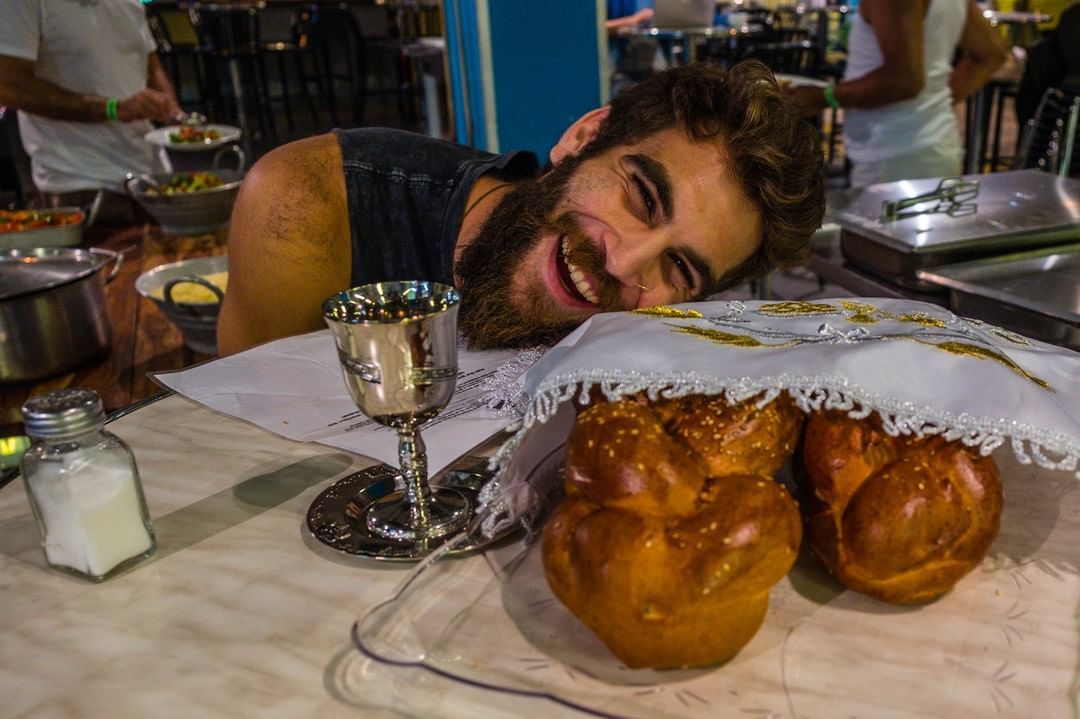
<point>502,391</point>
<point>1051,450</point>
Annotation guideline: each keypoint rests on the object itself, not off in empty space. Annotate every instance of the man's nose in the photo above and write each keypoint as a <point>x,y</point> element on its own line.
<point>635,258</point>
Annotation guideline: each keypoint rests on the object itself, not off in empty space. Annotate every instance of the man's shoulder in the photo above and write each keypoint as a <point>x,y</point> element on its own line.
<point>391,136</point>
<point>298,179</point>
<point>401,153</point>
<point>309,157</point>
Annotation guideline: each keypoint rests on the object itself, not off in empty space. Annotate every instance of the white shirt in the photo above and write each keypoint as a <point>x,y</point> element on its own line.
<point>874,134</point>
<point>91,47</point>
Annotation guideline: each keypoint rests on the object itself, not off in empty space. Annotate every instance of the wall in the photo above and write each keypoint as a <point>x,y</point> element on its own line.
<point>520,72</point>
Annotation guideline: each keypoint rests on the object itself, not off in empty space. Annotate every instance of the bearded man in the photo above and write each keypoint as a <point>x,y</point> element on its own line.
<point>692,181</point>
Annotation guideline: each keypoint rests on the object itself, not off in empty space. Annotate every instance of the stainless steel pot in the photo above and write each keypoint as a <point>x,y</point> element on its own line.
<point>52,310</point>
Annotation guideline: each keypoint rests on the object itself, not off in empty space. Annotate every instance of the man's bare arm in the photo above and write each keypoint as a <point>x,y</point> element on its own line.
<point>289,245</point>
<point>21,89</point>
<point>898,29</point>
<point>984,53</point>
<point>157,79</point>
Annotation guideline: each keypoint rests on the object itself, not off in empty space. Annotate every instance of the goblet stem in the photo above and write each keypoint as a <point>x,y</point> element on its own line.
<point>412,458</point>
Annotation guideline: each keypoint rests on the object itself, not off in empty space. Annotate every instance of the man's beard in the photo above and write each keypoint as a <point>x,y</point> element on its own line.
<point>494,315</point>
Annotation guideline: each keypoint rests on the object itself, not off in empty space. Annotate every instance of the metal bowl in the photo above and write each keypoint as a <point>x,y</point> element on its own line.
<point>187,213</point>
<point>197,322</point>
<point>51,236</point>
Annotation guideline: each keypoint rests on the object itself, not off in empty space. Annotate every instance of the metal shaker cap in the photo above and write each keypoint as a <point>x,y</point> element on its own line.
<point>63,413</point>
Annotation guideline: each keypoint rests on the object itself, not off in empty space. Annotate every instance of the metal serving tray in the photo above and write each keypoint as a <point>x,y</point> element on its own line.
<point>1034,293</point>
<point>1018,210</point>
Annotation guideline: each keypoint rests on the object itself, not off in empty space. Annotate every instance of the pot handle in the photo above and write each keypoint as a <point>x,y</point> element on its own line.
<point>193,279</point>
<point>90,212</point>
<point>117,258</point>
<point>137,185</point>
<point>241,158</point>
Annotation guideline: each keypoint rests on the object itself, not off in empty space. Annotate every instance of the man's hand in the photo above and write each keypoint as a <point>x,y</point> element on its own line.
<point>147,104</point>
<point>983,54</point>
<point>21,89</point>
<point>811,100</point>
<point>157,79</point>
<point>640,17</point>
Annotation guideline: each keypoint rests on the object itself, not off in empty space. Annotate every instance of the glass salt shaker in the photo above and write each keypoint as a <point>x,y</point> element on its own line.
<point>84,487</point>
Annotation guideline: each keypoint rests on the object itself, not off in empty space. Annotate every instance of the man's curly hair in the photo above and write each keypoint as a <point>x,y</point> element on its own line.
<point>773,152</point>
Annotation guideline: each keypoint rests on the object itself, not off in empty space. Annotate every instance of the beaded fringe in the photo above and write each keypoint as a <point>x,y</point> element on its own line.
<point>1050,450</point>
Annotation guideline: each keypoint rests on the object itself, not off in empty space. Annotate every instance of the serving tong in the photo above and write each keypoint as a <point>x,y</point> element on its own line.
<point>191,119</point>
<point>953,197</point>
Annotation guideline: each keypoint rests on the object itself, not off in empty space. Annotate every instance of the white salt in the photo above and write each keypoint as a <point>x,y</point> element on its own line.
<point>91,512</point>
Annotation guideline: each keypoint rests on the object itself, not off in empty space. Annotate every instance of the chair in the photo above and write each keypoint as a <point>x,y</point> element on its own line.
<point>229,42</point>
<point>283,36</point>
<point>1048,141</point>
<point>1053,61</point>
<point>178,46</point>
<point>336,49</point>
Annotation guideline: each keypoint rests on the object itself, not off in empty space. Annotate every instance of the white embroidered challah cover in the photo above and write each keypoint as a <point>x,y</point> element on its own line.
<point>923,369</point>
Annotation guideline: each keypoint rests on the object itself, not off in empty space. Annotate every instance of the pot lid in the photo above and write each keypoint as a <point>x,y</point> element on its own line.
<point>24,272</point>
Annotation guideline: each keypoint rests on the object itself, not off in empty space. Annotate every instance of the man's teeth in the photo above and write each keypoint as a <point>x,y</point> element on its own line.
<point>578,276</point>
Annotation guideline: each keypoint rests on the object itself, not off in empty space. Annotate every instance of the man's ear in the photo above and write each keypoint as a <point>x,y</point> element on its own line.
<point>579,134</point>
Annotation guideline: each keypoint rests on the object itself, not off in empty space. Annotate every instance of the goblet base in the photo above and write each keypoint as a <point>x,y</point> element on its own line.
<point>338,517</point>
<point>445,510</point>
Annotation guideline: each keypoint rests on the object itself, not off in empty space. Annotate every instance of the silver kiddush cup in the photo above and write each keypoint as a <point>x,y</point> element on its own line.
<point>397,344</point>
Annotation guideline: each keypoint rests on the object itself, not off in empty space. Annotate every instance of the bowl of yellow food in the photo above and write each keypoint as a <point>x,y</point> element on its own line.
<point>189,292</point>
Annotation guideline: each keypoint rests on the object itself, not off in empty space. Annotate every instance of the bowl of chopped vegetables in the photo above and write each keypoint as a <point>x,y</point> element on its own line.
<point>55,227</point>
<point>188,203</point>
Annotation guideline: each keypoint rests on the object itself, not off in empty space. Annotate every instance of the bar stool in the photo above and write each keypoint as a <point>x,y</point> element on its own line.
<point>178,47</point>
<point>229,40</point>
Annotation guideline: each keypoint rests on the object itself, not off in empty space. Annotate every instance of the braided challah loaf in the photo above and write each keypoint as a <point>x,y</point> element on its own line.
<point>899,518</point>
<point>672,530</point>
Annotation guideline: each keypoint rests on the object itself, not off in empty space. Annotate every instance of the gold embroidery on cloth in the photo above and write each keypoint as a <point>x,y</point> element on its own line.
<point>726,338</point>
<point>797,309</point>
<point>864,313</point>
<point>670,312</point>
<point>922,318</point>
<point>970,350</point>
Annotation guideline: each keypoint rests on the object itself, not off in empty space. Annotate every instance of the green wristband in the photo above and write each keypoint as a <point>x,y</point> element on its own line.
<point>830,97</point>
<point>110,109</point>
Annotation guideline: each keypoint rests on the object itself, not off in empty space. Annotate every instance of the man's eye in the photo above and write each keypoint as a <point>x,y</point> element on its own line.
<point>684,268</point>
<point>646,196</point>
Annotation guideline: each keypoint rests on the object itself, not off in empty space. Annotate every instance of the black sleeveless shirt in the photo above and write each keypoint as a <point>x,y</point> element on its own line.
<point>407,195</point>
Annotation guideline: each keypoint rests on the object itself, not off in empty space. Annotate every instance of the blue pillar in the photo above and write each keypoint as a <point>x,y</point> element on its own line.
<point>522,70</point>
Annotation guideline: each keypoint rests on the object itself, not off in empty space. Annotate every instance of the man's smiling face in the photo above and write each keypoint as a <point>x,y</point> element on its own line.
<point>656,222</point>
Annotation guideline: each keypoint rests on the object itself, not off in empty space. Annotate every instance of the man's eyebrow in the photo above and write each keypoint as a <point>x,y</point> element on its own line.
<point>658,177</point>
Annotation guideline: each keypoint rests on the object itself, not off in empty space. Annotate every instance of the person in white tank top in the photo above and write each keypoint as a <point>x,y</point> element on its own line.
<point>900,85</point>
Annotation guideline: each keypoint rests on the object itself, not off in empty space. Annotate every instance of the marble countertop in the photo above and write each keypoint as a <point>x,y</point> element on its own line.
<point>239,613</point>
